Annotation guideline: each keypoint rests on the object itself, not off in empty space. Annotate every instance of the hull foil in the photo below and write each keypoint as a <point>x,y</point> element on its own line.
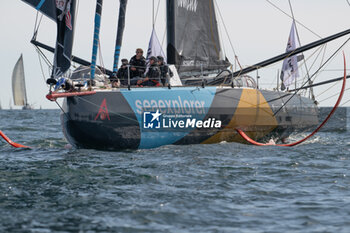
<point>151,117</point>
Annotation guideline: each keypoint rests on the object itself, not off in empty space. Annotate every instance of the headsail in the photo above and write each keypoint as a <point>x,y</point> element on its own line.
<point>18,84</point>
<point>62,12</point>
<point>193,37</point>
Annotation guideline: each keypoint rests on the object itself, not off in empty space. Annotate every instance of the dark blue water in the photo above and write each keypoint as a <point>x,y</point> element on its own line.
<point>226,187</point>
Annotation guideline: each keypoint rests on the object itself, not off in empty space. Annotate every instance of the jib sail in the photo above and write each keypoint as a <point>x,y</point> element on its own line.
<point>62,12</point>
<point>193,37</point>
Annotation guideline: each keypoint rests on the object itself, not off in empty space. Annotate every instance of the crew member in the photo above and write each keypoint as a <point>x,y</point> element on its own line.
<point>152,75</point>
<point>137,64</point>
<point>122,73</point>
<point>165,72</point>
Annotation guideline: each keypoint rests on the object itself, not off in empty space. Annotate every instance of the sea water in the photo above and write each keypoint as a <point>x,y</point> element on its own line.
<point>226,187</point>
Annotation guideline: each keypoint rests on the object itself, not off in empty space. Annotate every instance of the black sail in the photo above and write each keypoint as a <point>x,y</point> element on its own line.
<point>193,37</point>
<point>63,13</point>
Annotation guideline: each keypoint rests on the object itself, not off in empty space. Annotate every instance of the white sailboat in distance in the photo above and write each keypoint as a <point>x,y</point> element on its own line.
<point>19,86</point>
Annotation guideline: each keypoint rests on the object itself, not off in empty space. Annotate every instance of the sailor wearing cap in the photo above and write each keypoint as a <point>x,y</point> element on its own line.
<point>153,74</point>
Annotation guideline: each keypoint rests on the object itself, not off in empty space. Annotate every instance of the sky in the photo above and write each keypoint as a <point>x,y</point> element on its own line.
<point>256,29</point>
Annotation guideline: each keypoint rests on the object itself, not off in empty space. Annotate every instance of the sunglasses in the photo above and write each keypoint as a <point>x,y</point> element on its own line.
<point>139,52</point>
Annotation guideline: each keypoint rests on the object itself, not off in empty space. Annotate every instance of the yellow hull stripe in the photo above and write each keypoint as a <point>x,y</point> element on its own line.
<point>253,115</point>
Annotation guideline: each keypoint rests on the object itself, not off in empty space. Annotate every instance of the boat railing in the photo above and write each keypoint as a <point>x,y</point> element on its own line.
<point>201,78</point>
<point>81,79</point>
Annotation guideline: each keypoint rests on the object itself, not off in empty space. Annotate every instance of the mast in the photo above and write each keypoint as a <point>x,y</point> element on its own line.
<point>96,36</point>
<point>120,31</point>
<point>170,16</point>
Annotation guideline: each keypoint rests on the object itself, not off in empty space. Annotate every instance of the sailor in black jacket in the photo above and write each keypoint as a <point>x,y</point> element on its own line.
<point>137,64</point>
<point>122,73</point>
<point>165,72</point>
<point>152,75</point>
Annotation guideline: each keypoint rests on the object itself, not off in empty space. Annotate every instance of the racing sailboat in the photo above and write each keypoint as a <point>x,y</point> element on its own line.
<point>19,86</point>
<point>208,105</point>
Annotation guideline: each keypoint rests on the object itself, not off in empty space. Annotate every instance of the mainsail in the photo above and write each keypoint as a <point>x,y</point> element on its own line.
<point>18,84</point>
<point>193,37</point>
<point>62,12</point>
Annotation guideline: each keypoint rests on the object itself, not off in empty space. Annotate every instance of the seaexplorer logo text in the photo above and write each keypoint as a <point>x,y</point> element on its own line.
<point>174,106</point>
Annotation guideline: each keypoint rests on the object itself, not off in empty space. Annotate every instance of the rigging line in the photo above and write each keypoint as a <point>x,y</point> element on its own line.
<point>36,21</point>
<point>153,14</point>
<point>324,54</point>
<point>42,70</point>
<point>164,34</point>
<point>332,70</point>
<point>316,72</point>
<point>101,58</point>
<point>320,51</point>
<point>348,2</point>
<point>228,36</point>
<point>37,25</point>
<point>211,17</point>
<point>313,63</point>
<point>292,17</point>
<point>68,116</point>
<point>345,101</point>
<point>333,94</point>
<point>47,61</point>
<point>323,68</point>
<point>221,37</point>
<point>37,29</point>
<point>155,17</point>
<point>325,91</point>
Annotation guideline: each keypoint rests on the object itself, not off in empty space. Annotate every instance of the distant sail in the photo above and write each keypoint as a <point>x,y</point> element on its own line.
<point>290,64</point>
<point>193,37</point>
<point>63,13</point>
<point>18,84</point>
